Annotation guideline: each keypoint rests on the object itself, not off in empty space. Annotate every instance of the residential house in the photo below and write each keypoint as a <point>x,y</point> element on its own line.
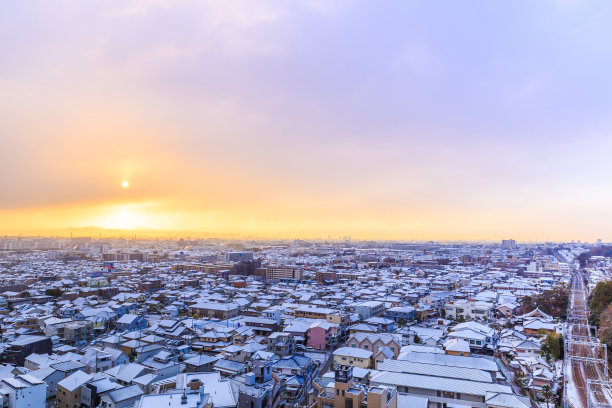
<point>92,391</point>
<point>69,389</point>
<point>23,391</point>
<point>131,322</point>
<point>124,397</point>
<point>353,356</point>
<point>401,314</point>
<point>375,342</point>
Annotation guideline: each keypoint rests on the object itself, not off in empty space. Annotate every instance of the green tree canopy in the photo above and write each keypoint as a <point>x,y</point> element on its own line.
<point>600,299</point>
<point>553,344</point>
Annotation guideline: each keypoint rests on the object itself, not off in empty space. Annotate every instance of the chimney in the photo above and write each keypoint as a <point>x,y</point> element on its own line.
<point>194,384</point>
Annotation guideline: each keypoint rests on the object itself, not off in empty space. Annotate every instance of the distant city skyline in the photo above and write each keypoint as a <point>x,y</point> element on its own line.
<point>416,120</point>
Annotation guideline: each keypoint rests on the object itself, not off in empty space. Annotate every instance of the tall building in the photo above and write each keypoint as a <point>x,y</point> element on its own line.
<point>508,244</point>
<point>238,256</point>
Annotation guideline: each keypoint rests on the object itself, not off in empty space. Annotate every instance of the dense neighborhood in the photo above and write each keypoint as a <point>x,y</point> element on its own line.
<point>118,323</point>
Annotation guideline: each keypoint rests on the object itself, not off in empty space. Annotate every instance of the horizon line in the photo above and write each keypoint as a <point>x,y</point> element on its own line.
<point>148,233</point>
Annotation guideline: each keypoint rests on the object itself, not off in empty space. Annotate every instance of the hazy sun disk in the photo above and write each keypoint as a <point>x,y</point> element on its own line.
<point>125,216</point>
<point>125,184</point>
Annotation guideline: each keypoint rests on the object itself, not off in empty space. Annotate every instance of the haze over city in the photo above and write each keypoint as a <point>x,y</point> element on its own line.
<point>408,120</point>
<point>306,203</point>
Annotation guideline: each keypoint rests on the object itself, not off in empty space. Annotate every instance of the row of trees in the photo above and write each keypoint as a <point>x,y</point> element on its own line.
<point>585,257</point>
<point>599,301</point>
<point>600,305</point>
<point>605,329</point>
<point>49,292</point>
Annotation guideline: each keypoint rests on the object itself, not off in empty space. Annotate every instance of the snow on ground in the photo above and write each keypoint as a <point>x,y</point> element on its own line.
<point>571,391</point>
<point>558,366</point>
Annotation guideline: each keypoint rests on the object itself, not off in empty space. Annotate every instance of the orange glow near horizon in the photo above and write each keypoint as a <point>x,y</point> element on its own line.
<point>151,218</point>
<point>307,119</point>
<point>124,217</point>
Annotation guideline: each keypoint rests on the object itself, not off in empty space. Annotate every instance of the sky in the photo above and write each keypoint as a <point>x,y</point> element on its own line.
<point>375,120</point>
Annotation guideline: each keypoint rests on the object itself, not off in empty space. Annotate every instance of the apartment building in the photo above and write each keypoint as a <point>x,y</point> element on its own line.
<point>346,393</point>
<point>370,309</point>
<point>23,346</point>
<point>284,273</point>
<point>220,311</point>
<point>353,356</point>
<point>330,315</point>
<point>280,343</point>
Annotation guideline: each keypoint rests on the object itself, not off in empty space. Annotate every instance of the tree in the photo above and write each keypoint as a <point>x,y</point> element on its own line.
<point>547,394</point>
<point>401,322</point>
<point>443,313</point>
<point>553,345</point>
<point>55,292</point>
<point>521,379</point>
<point>553,302</point>
<point>605,328</point>
<point>600,299</point>
<point>417,339</point>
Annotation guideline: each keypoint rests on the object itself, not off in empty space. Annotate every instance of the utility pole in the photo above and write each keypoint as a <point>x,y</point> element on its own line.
<point>532,381</point>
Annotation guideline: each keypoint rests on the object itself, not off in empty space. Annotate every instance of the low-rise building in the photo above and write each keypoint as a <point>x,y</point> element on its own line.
<point>23,391</point>
<point>353,356</point>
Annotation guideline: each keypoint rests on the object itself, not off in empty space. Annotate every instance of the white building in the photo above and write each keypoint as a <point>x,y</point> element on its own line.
<point>23,391</point>
<point>463,309</point>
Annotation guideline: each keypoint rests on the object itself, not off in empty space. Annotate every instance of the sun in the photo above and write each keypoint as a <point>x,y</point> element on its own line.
<point>125,184</point>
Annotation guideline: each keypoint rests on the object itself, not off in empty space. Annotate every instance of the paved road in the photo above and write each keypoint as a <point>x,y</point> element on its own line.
<point>329,359</point>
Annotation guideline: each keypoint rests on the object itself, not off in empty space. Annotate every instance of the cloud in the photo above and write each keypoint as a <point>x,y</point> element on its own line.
<point>268,114</point>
